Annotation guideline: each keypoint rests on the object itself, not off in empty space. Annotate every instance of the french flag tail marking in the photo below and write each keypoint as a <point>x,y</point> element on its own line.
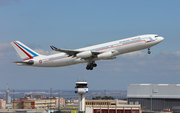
<point>24,52</point>
<point>53,48</point>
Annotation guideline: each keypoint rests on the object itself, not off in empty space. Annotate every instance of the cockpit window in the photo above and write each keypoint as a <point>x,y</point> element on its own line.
<point>156,36</point>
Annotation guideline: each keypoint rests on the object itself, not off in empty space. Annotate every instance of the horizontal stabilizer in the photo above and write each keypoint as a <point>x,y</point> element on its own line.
<point>19,62</point>
<point>28,63</point>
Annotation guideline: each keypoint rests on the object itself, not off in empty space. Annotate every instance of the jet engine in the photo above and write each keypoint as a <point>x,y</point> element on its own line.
<point>105,55</point>
<point>31,62</point>
<point>84,54</point>
<point>108,55</point>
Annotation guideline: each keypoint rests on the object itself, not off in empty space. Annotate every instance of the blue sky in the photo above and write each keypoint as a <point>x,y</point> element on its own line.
<point>75,24</point>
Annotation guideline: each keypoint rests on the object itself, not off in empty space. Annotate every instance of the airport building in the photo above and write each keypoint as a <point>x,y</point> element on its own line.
<point>110,106</point>
<point>155,97</point>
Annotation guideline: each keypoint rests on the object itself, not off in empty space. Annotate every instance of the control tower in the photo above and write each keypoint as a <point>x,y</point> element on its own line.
<point>81,89</point>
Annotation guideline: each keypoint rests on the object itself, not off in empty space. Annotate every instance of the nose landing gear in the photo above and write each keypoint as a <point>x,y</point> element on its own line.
<point>91,65</point>
<point>149,52</point>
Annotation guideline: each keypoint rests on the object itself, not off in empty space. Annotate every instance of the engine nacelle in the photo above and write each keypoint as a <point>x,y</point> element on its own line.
<point>105,55</point>
<point>31,62</point>
<point>108,55</point>
<point>84,54</point>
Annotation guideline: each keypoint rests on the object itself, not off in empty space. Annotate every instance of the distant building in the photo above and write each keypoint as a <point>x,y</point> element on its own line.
<point>72,104</point>
<point>35,96</point>
<point>155,97</point>
<point>2,103</point>
<point>40,103</point>
<point>23,111</point>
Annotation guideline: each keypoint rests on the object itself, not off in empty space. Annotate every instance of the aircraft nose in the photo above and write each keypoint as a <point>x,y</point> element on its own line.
<point>161,38</point>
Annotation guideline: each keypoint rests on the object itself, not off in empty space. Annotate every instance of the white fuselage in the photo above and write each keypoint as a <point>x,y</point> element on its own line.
<point>118,47</point>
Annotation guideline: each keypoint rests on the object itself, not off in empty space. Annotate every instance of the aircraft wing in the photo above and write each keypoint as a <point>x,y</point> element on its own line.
<point>71,52</point>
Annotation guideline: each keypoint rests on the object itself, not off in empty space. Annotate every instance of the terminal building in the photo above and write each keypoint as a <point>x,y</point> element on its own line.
<point>110,106</point>
<point>155,97</point>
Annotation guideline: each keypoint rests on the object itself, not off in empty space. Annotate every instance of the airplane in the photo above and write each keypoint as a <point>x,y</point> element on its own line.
<point>105,51</point>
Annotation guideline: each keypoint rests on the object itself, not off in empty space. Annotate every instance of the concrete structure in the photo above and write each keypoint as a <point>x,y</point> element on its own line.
<point>110,106</point>
<point>155,97</point>
<point>8,98</point>
<point>41,103</point>
<point>81,88</point>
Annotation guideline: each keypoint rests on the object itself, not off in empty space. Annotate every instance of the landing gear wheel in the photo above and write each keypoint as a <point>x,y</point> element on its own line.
<point>91,65</point>
<point>87,67</point>
<point>94,65</point>
<point>149,52</point>
<point>91,68</point>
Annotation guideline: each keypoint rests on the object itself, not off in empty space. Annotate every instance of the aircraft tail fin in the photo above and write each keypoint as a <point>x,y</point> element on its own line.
<point>24,52</point>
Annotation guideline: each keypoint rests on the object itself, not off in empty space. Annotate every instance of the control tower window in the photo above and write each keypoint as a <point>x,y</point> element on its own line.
<point>81,86</point>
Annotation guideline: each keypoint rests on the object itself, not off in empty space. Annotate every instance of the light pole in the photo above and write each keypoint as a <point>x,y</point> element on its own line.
<point>50,97</point>
<point>13,98</point>
<point>151,102</point>
<point>59,102</point>
<point>151,98</point>
<point>105,92</point>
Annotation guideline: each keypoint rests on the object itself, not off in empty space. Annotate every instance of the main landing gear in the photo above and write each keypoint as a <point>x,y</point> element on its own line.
<point>149,52</point>
<point>91,65</point>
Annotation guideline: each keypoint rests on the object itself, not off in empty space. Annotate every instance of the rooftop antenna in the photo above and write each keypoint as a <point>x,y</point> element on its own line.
<point>85,79</point>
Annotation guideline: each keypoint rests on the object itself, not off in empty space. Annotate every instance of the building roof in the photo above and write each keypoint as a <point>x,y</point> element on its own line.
<point>153,91</point>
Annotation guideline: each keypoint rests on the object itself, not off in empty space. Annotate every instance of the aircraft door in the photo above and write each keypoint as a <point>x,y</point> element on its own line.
<point>148,41</point>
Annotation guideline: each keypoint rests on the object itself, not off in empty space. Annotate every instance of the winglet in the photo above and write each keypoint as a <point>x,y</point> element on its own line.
<point>53,48</point>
